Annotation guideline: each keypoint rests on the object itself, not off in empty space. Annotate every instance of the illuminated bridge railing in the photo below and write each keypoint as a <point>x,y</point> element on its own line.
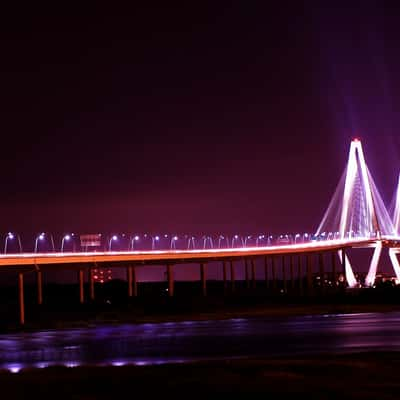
<point>72,242</point>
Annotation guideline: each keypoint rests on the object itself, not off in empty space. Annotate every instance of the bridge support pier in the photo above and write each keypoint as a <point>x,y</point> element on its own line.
<point>129,279</point>
<point>246,273</point>
<point>225,273</point>
<point>39,282</point>
<point>232,276</point>
<point>91,283</point>
<point>273,269</point>
<point>291,272</point>
<point>284,282</point>
<point>81,288</point>
<point>21,298</point>
<point>309,273</point>
<point>203,278</point>
<point>344,263</point>
<point>170,277</point>
<point>300,275</point>
<point>266,272</point>
<point>321,270</point>
<point>253,273</point>
<point>333,262</point>
<point>134,282</point>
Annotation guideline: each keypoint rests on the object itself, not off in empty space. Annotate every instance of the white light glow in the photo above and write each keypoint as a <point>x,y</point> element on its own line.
<point>370,279</point>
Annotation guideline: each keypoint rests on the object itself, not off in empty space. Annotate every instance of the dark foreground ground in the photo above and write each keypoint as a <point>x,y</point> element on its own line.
<point>355,376</point>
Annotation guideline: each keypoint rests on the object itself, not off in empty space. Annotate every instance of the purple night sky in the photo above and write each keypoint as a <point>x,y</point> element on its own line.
<point>219,117</point>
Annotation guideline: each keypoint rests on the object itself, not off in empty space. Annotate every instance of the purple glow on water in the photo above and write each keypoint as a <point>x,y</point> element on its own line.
<point>118,363</point>
<point>174,342</point>
<point>72,364</point>
<point>14,368</point>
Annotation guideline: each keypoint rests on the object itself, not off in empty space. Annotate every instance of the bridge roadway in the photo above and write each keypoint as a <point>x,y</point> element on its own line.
<point>88,261</point>
<point>165,257</point>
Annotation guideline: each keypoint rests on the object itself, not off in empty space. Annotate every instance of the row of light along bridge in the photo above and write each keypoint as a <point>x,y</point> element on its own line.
<point>355,218</point>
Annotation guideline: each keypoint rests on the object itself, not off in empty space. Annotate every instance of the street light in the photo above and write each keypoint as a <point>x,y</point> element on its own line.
<point>40,237</point>
<point>191,242</point>
<point>209,240</point>
<point>133,240</point>
<point>112,239</point>
<point>65,238</point>
<point>259,237</point>
<point>173,240</point>
<point>11,236</point>
<point>154,239</point>
<point>244,242</point>
<point>236,237</point>
<point>220,238</point>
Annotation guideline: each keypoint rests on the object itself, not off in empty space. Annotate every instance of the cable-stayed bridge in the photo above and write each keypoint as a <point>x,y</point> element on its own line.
<point>355,218</point>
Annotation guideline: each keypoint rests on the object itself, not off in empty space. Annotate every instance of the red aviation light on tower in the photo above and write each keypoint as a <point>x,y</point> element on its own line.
<point>356,139</point>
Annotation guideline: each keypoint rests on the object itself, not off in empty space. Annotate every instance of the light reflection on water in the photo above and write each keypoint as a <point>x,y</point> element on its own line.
<point>171,342</point>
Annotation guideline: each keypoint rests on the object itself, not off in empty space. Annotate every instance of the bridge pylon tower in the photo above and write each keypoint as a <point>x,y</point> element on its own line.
<point>357,211</point>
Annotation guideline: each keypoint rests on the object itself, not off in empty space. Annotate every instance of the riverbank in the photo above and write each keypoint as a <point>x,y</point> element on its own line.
<point>351,376</point>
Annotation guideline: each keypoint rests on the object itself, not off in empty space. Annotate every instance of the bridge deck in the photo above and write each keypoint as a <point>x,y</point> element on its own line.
<point>168,257</point>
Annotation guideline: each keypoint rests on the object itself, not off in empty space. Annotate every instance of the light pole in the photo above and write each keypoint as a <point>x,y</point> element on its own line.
<point>113,238</point>
<point>191,242</point>
<point>40,237</point>
<point>244,242</point>
<point>236,237</point>
<point>154,239</point>
<point>259,237</point>
<point>296,236</point>
<point>173,240</point>
<point>65,238</point>
<point>10,236</point>
<point>220,238</point>
<point>208,239</point>
<point>133,240</point>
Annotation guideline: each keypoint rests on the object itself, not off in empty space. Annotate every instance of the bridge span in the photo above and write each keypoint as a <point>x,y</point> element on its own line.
<point>86,262</point>
<point>355,218</point>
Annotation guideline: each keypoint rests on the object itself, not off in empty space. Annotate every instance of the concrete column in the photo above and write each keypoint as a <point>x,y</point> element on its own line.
<point>21,298</point>
<point>344,262</point>
<point>321,269</point>
<point>39,287</point>
<point>170,277</point>
<point>246,272</point>
<point>309,272</point>
<point>253,272</point>
<point>266,272</point>
<point>292,271</point>
<point>134,282</point>
<point>129,279</point>
<point>91,283</point>
<point>300,273</point>
<point>284,274</point>
<point>225,274</point>
<point>203,278</point>
<point>81,289</point>
<point>232,276</point>
<point>334,279</point>
<point>273,268</point>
